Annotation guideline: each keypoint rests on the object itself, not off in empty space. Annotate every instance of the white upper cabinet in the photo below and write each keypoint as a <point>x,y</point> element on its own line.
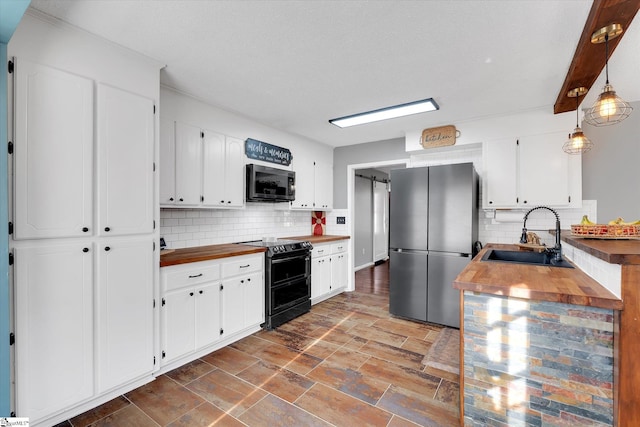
<point>223,171</point>
<point>53,154</point>
<point>125,162</point>
<point>200,168</point>
<point>188,169</point>
<point>529,171</point>
<point>500,166</point>
<point>314,184</point>
<point>323,186</point>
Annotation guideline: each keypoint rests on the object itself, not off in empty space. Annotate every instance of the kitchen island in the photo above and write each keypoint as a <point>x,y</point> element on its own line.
<point>536,345</point>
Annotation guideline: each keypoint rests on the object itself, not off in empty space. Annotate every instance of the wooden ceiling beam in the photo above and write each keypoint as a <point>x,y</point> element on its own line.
<point>589,59</point>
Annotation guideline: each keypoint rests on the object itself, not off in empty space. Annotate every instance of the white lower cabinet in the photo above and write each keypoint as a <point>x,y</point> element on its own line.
<point>77,336</point>
<point>329,270</point>
<point>54,327</point>
<point>205,304</point>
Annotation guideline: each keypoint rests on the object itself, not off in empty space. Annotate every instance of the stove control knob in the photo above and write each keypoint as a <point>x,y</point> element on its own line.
<point>275,249</point>
<point>281,248</point>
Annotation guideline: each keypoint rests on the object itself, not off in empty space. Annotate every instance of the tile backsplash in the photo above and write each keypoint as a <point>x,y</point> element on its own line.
<point>199,227</point>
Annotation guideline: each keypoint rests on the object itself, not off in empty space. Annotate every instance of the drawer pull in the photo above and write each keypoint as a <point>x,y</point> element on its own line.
<point>197,275</point>
<point>245,266</point>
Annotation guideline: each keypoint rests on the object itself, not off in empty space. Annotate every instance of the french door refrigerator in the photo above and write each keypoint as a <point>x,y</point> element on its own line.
<point>433,229</point>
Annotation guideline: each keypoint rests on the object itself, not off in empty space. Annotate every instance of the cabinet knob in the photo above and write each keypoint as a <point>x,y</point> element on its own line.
<point>171,199</point>
<point>201,292</point>
<point>228,201</point>
<point>107,248</point>
<point>85,229</point>
<point>107,229</point>
<point>190,294</point>
<point>525,201</point>
<point>85,250</point>
<point>248,280</point>
<point>241,281</point>
<point>490,202</point>
<point>221,201</point>
<point>181,199</point>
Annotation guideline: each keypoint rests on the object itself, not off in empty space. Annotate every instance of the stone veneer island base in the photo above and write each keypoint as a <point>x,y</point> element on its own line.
<point>534,363</point>
<point>537,346</point>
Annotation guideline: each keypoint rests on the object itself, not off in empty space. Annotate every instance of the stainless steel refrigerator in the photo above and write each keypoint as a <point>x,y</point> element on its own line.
<point>433,230</point>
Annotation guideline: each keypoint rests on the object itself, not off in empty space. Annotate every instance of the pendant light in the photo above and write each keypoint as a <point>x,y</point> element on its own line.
<point>609,108</point>
<point>578,143</point>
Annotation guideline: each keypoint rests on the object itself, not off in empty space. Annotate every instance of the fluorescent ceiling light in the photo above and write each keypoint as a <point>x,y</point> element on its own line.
<point>387,113</point>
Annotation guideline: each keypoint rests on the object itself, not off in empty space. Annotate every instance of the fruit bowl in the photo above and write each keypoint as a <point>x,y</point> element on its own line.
<point>606,231</point>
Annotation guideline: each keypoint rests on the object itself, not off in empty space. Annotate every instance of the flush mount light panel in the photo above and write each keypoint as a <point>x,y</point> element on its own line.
<point>387,113</point>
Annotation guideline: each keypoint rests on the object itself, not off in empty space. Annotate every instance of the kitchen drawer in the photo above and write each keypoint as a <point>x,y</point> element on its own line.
<point>340,247</point>
<point>177,277</point>
<point>242,265</point>
<point>320,250</point>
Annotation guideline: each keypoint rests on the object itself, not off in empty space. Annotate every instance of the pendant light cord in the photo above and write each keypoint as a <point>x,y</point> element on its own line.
<point>577,105</point>
<point>606,56</point>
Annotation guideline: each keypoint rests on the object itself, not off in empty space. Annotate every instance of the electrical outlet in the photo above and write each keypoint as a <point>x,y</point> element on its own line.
<point>341,220</point>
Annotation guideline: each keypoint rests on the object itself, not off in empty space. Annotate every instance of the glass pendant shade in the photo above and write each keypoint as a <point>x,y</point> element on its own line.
<point>608,109</point>
<point>578,143</point>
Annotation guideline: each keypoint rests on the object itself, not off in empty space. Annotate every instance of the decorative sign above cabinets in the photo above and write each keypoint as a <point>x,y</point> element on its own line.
<point>266,152</point>
<point>439,137</point>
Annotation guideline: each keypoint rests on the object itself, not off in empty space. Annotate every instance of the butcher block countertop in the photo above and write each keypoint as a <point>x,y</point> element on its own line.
<point>206,253</point>
<point>534,282</point>
<point>319,239</point>
<point>611,251</point>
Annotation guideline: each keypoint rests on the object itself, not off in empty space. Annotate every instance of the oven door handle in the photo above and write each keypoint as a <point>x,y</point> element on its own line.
<point>289,259</point>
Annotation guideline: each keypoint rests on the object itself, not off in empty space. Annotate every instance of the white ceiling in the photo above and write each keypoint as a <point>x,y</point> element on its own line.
<point>294,65</point>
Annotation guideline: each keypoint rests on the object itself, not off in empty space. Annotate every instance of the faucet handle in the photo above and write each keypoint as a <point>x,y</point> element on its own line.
<point>523,237</point>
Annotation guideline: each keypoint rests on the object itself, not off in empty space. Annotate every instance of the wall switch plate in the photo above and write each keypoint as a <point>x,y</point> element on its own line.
<point>341,220</point>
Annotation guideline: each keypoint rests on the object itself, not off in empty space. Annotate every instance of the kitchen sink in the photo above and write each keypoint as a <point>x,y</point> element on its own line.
<point>524,257</point>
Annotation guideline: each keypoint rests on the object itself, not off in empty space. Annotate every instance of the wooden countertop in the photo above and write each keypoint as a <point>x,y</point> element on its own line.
<point>206,253</point>
<point>611,251</point>
<point>319,239</point>
<point>533,282</point>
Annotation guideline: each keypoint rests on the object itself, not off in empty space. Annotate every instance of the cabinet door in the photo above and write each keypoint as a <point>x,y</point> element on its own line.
<point>234,174</point>
<point>54,323</point>
<point>213,169</point>
<point>125,162</point>
<point>323,186</point>
<point>125,311</point>
<point>254,299</point>
<point>339,271</point>
<point>304,183</point>
<point>232,306</point>
<point>167,163</point>
<point>544,171</point>
<point>501,180</point>
<point>188,164</point>
<point>207,314</point>
<point>53,157</point>
<point>320,276</point>
<point>178,323</point>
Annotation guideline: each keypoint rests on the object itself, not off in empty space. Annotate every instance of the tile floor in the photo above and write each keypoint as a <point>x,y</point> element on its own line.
<point>346,363</point>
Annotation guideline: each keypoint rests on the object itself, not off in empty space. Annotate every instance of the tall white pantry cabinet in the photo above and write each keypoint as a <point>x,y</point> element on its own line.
<point>84,216</point>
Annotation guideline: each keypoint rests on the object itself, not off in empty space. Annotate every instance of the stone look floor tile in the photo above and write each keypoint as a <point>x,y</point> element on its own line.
<point>101,411</point>
<point>164,400</point>
<point>230,360</point>
<point>206,415</point>
<point>338,408</point>
<point>326,367</point>
<point>189,372</point>
<point>349,381</point>
<point>226,391</point>
<point>274,412</point>
<point>276,380</point>
<point>130,416</point>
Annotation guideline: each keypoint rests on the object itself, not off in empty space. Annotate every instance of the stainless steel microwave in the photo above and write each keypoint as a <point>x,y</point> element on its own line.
<point>265,184</point>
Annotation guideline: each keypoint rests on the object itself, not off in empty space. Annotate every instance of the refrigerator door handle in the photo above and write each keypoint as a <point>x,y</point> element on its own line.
<point>452,254</point>
<point>409,251</point>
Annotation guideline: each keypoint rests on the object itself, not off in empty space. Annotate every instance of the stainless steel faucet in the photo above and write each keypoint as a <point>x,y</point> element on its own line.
<point>557,249</point>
